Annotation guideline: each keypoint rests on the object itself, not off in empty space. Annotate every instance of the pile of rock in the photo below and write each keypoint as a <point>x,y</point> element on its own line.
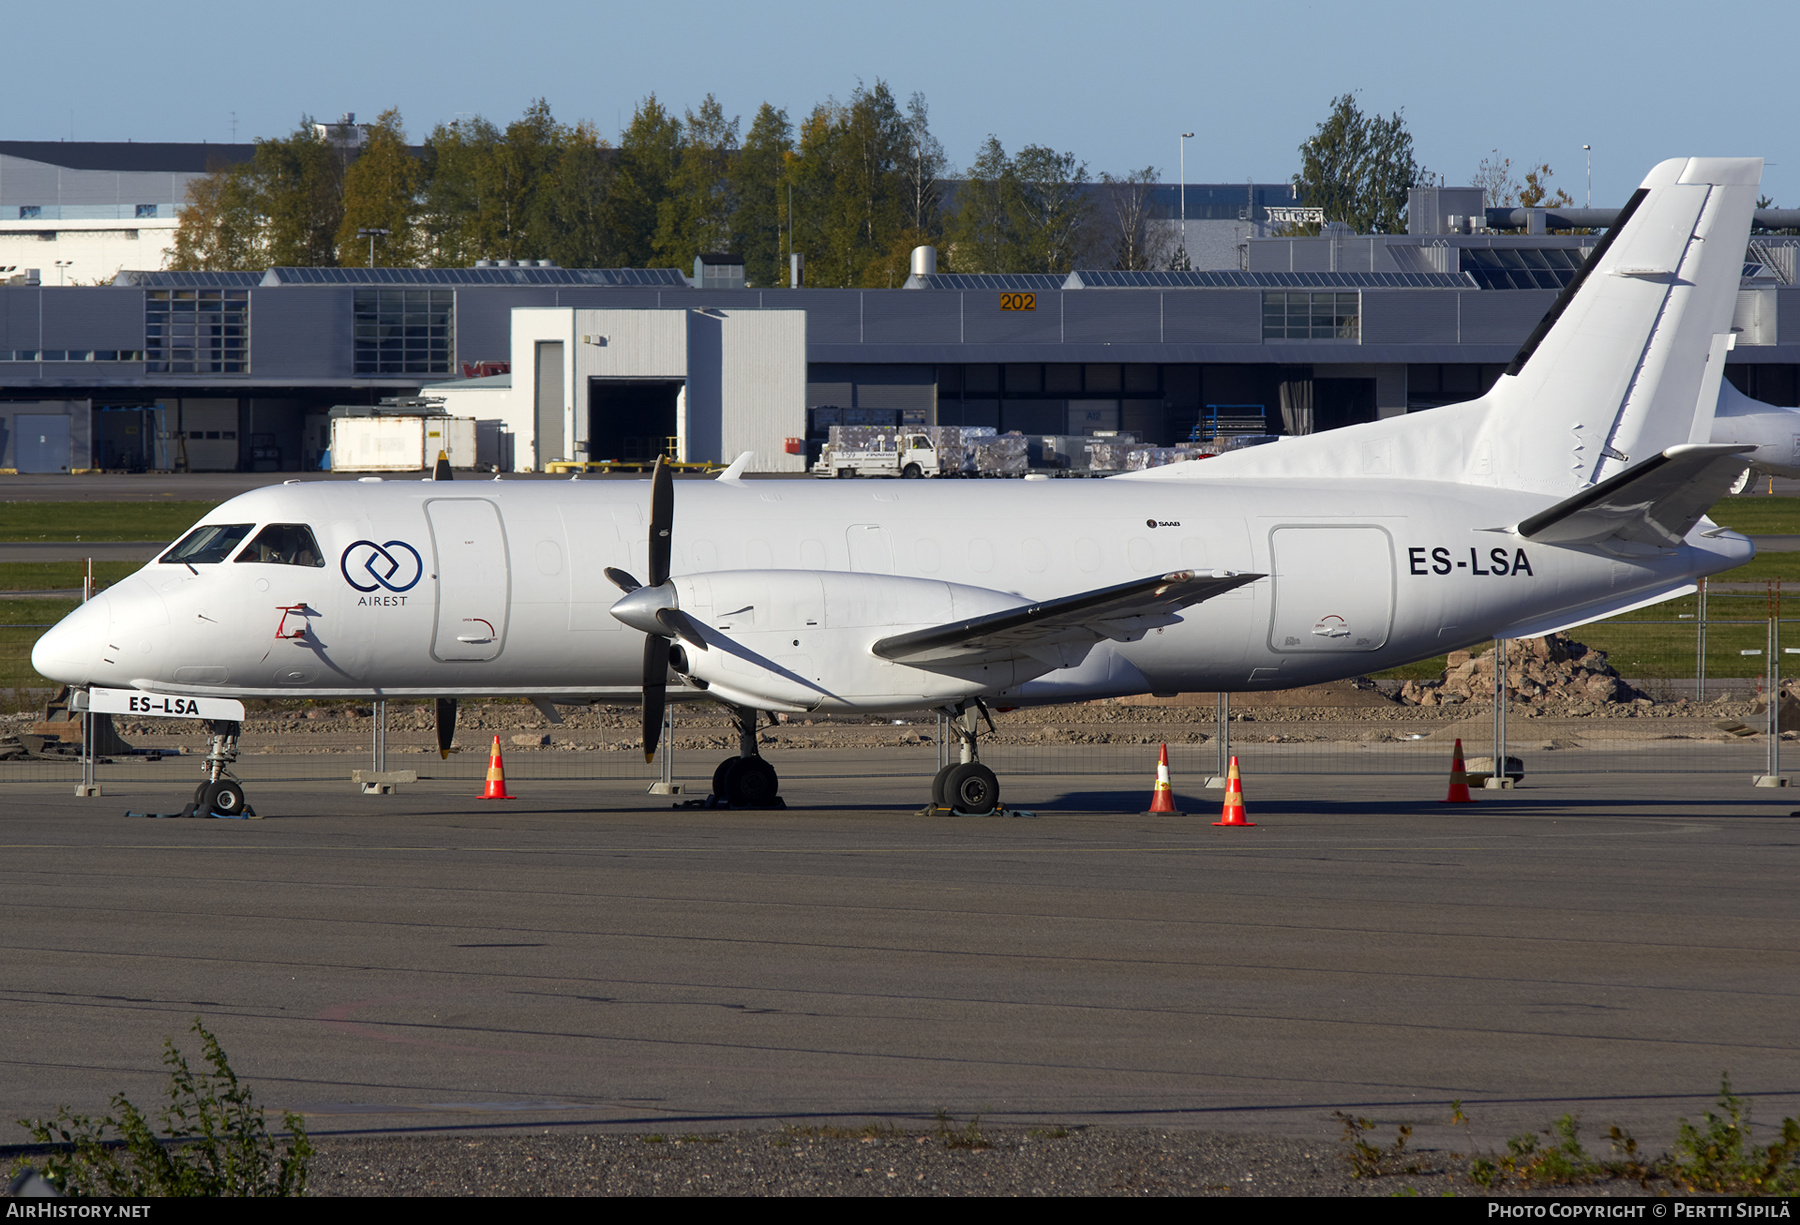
<point>1553,669</point>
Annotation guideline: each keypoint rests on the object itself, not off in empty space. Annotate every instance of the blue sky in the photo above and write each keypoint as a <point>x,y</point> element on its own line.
<point>1115,83</point>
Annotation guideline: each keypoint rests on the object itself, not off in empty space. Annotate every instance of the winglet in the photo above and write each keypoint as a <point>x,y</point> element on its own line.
<point>738,466</point>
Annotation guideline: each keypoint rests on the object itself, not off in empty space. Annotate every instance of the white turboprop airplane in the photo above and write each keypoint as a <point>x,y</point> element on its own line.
<point>1575,488</point>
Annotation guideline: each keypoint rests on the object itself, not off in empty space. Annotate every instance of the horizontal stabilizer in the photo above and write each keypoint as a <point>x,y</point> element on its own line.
<point>1123,612</point>
<point>1656,502</point>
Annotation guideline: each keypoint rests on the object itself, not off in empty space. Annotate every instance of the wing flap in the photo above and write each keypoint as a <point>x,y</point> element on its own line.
<point>1121,613</point>
<point>1656,502</point>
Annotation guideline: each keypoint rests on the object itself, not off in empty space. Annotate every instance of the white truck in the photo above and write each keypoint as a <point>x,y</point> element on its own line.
<point>911,456</point>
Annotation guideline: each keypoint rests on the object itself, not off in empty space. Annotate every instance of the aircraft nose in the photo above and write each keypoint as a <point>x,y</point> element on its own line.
<point>71,652</point>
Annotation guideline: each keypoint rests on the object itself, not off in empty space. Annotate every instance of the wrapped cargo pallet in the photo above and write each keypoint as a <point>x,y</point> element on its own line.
<point>1108,456</point>
<point>1006,455</point>
<point>1140,458</point>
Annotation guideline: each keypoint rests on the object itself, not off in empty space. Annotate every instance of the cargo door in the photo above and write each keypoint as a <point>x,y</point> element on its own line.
<point>474,581</point>
<point>1334,589</point>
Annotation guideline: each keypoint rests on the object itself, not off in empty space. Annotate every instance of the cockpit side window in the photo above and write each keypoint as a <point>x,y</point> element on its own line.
<point>284,544</point>
<point>207,544</point>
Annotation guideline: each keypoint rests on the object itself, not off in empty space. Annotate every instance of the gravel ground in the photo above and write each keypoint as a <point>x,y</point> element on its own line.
<point>1335,713</point>
<point>827,1161</point>
<point>878,1161</point>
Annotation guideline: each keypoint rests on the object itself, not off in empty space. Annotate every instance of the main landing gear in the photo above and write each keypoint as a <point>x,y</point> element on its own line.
<point>966,786</point>
<point>746,781</point>
<point>220,794</point>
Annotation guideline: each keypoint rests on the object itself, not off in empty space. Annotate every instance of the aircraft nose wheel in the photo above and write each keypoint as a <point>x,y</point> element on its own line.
<point>224,798</point>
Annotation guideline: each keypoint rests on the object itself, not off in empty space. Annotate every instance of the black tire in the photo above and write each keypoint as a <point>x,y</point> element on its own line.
<point>940,796</point>
<point>844,474</point>
<point>224,798</point>
<point>912,472</point>
<point>721,785</point>
<point>200,793</point>
<point>973,789</point>
<point>754,784</point>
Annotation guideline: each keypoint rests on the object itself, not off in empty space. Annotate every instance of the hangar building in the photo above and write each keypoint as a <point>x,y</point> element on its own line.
<point>234,370</point>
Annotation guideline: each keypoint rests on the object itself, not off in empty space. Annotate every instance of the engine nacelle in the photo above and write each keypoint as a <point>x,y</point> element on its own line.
<point>798,640</point>
<point>1773,431</point>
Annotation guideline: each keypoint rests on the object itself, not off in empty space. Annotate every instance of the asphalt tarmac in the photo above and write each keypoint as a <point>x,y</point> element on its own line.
<point>587,958</point>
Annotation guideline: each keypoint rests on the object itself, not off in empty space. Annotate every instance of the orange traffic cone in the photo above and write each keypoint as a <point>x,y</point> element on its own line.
<point>1459,779</point>
<point>1162,797</point>
<point>1233,812</point>
<point>496,780</point>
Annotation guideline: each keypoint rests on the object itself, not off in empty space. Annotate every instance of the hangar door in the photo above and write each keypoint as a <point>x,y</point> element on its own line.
<point>1334,589</point>
<point>41,442</point>
<point>474,584</point>
<point>631,419</point>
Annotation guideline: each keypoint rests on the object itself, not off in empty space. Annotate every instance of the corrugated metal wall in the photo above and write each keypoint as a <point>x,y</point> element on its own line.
<point>1501,317</point>
<point>484,321</point>
<point>97,318</point>
<point>1106,316</point>
<point>300,331</point>
<point>1217,317</point>
<point>762,377</point>
<point>1410,316</point>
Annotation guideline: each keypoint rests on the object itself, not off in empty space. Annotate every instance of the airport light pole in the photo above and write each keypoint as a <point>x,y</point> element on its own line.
<point>370,235</point>
<point>62,265</point>
<point>1182,146</point>
<point>1589,150</point>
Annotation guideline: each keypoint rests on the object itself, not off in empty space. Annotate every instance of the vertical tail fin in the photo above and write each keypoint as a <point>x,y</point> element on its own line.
<point>1614,373</point>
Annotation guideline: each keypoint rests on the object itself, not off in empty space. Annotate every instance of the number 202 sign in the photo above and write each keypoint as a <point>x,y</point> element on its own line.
<point>1018,301</point>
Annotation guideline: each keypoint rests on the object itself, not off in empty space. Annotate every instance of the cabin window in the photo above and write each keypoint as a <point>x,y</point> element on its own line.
<point>207,544</point>
<point>284,544</point>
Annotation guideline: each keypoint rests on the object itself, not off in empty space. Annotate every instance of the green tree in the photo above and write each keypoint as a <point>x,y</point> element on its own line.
<point>696,214</point>
<point>381,192</point>
<point>925,168</point>
<point>517,172</point>
<point>759,190</point>
<point>1536,192</point>
<point>300,192</point>
<point>570,207</point>
<point>980,231</point>
<point>1051,208</point>
<point>849,189</point>
<point>220,229</point>
<point>456,183</point>
<point>1358,168</point>
<point>649,151</point>
<point>1128,240</point>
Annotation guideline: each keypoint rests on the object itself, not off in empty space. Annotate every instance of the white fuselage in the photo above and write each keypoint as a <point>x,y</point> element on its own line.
<point>508,595</point>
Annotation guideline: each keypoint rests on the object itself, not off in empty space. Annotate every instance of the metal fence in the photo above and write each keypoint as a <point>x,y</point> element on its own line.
<point>1705,665</point>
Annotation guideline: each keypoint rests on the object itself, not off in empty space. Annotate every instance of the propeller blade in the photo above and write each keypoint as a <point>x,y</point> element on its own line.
<point>446,725</point>
<point>682,626</point>
<point>662,521</point>
<point>656,691</point>
<point>623,581</point>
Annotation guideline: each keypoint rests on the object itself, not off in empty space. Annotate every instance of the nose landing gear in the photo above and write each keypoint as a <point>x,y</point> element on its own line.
<point>221,794</point>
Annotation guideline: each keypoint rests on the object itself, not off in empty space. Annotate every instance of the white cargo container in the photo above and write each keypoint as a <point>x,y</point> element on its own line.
<point>399,442</point>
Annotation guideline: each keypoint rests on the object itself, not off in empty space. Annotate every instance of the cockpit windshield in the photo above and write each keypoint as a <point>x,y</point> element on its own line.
<point>284,544</point>
<point>207,544</point>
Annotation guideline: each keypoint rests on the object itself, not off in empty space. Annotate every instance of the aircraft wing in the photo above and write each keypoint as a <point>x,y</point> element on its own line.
<point>1123,613</point>
<point>1656,502</point>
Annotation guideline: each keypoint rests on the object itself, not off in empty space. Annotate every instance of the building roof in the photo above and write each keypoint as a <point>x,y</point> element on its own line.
<point>659,278</point>
<point>129,155</point>
<point>1090,278</point>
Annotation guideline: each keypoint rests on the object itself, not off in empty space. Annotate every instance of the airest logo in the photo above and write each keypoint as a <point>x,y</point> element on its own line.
<point>395,566</point>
